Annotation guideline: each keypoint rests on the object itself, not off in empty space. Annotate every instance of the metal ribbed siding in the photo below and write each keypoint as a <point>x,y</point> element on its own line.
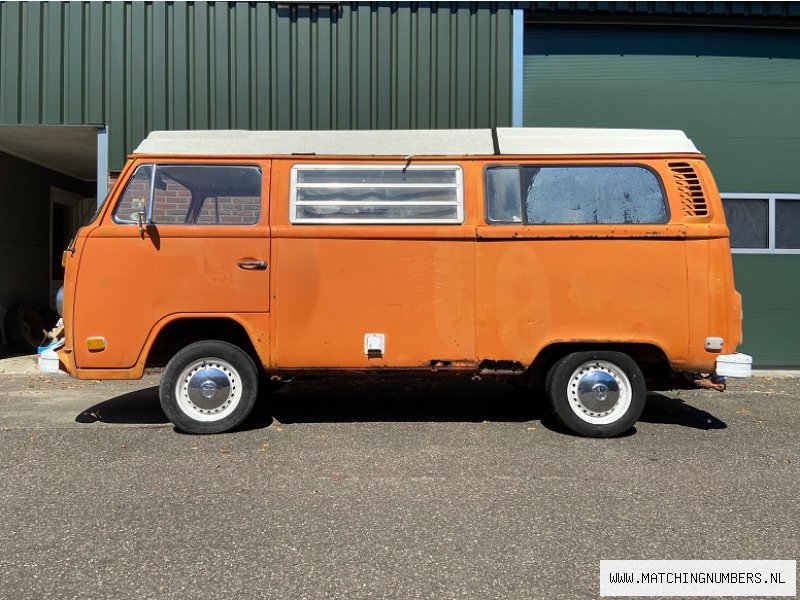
<point>681,9</point>
<point>138,66</point>
<point>734,93</point>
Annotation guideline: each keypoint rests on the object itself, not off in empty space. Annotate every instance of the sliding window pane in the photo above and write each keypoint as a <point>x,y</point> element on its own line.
<point>787,224</point>
<point>748,220</point>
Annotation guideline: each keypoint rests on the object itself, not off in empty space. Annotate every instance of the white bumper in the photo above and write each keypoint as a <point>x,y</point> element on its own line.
<point>734,365</point>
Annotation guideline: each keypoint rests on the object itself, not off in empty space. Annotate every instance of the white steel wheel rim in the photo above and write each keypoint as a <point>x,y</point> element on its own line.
<point>211,404</point>
<point>599,392</point>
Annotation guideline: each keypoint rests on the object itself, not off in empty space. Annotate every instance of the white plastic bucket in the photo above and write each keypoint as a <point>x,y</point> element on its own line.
<point>48,362</point>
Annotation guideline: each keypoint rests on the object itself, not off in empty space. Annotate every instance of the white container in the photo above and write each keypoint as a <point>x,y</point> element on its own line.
<point>735,365</point>
<point>48,362</point>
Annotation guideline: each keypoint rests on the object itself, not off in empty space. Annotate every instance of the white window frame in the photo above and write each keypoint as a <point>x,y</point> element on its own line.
<point>771,222</point>
<point>294,202</point>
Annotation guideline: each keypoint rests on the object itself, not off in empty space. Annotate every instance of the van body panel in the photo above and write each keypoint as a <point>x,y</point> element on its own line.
<point>256,325</point>
<point>583,290</point>
<point>72,258</point>
<point>203,278</point>
<point>419,294</point>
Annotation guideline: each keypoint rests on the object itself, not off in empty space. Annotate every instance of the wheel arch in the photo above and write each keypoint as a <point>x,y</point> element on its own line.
<point>178,331</point>
<point>651,358</point>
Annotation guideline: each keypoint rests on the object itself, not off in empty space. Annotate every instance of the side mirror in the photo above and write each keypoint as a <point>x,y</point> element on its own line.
<point>140,221</point>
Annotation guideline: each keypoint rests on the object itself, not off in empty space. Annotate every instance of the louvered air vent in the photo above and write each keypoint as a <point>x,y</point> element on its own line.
<point>690,190</point>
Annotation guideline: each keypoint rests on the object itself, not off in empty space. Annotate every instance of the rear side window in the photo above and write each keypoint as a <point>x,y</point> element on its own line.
<point>370,194</point>
<point>193,195</point>
<point>534,195</point>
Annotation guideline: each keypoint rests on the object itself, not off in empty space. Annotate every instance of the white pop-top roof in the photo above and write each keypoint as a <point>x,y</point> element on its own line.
<point>418,142</point>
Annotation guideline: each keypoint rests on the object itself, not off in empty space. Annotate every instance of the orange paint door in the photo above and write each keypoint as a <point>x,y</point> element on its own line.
<point>418,293</point>
<point>199,256</point>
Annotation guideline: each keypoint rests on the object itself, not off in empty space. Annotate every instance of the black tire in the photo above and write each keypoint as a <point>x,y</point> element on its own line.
<point>49,316</point>
<point>603,370</point>
<point>24,327</point>
<point>214,364</point>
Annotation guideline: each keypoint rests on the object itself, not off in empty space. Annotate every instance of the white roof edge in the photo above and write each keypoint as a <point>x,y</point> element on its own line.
<point>397,142</point>
<point>558,140</point>
<point>418,142</point>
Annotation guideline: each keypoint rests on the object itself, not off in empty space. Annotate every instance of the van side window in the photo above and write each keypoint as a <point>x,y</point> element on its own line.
<point>611,194</point>
<point>171,200</point>
<point>206,195</point>
<point>370,194</point>
<point>136,196</point>
<point>193,194</point>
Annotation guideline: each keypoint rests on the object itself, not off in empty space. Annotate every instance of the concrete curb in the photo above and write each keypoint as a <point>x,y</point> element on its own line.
<point>19,365</point>
<point>776,373</point>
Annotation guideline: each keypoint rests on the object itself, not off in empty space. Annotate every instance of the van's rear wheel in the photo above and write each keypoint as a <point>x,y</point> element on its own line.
<point>597,394</point>
<point>208,387</point>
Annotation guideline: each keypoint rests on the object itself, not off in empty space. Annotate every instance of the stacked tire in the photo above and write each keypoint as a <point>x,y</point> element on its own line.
<point>25,326</point>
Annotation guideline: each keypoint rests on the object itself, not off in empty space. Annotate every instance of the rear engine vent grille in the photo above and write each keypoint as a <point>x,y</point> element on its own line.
<point>691,192</point>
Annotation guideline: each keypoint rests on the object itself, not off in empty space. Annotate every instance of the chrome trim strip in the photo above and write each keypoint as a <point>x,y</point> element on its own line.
<point>376,203</point>
<point>377,185</point>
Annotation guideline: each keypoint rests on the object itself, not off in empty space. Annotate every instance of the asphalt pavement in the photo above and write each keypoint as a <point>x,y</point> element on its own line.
<point>400,488</point>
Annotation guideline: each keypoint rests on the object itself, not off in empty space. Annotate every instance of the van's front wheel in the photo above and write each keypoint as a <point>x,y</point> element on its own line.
<point>208,387</point>
<point>597,394</point>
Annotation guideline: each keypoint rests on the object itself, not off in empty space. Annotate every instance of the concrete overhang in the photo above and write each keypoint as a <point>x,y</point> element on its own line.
<point>67,149</point>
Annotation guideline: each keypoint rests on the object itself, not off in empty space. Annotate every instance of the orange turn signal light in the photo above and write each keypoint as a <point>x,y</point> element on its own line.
<point>95,344</point>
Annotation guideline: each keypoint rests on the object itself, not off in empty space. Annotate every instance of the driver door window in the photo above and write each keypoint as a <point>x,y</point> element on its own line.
<point>171,200</point>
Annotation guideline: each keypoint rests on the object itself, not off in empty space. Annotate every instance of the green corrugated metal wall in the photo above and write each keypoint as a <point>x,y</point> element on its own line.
<point>757,11</point>
<point>737,95</point>
<point>770,288</point>
<point>137,66</point>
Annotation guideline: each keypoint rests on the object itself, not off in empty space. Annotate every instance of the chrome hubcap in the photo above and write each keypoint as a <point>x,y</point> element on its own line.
<point>599,392</point>
<point>208,389</point>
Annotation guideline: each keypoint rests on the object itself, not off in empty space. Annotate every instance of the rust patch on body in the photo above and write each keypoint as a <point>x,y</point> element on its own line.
<point>501,367</point>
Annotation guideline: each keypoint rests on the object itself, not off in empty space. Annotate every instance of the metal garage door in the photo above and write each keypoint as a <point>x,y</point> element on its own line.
<point>737,95</point>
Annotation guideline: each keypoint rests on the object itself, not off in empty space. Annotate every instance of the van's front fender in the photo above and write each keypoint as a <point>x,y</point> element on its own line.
<point>255,325</point>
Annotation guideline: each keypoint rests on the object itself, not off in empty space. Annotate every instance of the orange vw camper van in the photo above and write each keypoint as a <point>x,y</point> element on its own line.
<point>594,263</point>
